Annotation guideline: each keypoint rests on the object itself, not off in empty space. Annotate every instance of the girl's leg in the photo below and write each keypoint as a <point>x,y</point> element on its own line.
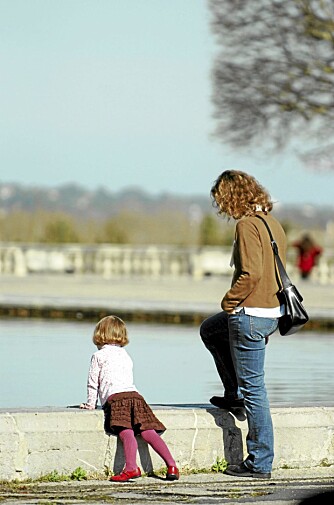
<point>160,447</point>
<point>130,449</point>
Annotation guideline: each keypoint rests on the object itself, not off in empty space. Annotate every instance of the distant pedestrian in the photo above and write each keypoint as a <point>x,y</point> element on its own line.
<point>126,412</point>
<point>308,255</point>
<point>236,337</point>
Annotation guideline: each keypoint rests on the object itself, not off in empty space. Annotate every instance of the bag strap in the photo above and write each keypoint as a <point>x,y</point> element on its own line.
<point>286,282</point>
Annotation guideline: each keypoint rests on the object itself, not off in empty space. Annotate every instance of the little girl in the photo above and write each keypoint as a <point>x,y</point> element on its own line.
<point>126,412</point>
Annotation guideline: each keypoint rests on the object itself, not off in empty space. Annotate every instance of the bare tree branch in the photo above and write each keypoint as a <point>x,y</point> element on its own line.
<point>274,73</point>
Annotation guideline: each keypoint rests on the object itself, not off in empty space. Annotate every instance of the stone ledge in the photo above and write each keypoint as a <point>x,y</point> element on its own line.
<point>34,442</point>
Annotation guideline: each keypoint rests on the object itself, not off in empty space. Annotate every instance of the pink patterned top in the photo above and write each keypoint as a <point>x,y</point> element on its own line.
<point>110,372</point>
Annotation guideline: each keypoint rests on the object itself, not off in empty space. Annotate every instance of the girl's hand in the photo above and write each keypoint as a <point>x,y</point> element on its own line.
<point>85,406</point>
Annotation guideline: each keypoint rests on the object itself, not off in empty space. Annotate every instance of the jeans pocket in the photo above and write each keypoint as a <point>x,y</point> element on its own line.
<point>261,327</point>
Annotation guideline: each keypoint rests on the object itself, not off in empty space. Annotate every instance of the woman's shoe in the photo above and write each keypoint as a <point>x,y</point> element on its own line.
<point>126,475</point>
<point>223,403</point>
<point>243,471</point>
<point>172,473</point>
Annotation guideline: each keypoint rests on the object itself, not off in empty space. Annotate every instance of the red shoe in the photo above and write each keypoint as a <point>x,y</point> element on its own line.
<point>126,475</point>
<point>172,473</point>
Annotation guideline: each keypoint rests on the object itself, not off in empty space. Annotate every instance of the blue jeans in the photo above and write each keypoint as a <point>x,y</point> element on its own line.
<point>237,343</point>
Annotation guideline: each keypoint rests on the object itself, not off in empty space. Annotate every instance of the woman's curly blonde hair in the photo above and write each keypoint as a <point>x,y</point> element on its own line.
<point>236,194</point>
<point>110,330</point>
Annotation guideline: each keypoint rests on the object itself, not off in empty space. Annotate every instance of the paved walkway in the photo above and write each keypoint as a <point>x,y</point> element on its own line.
<point>287,487</point>
<point>173,295</point>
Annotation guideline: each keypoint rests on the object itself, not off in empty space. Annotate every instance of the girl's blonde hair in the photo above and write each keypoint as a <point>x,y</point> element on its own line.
<point>237,194</point>
<point>110,330</point>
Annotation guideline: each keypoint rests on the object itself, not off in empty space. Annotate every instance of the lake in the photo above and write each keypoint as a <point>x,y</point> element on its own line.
<point>45,363</point>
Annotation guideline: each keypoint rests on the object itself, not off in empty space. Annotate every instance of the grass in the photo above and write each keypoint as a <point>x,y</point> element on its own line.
<point>325,463</point>
<point>53,476</point>
<point>220,465</point>
<point>79,474</point>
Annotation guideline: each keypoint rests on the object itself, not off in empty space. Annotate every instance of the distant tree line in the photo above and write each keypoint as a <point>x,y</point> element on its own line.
<point>71,214</point>
<point>164,227</point>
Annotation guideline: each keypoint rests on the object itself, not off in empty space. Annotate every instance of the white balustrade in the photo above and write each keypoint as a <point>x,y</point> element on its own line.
<point>149,261</point>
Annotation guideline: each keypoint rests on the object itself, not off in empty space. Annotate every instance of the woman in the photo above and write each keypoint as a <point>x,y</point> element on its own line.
<point>236,337</point>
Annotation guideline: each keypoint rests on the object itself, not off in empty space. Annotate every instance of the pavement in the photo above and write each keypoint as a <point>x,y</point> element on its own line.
<point>287,487</point>
<point>87,295</point>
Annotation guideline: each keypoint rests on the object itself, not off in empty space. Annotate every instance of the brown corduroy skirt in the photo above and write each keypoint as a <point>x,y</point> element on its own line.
<point>129,410</point>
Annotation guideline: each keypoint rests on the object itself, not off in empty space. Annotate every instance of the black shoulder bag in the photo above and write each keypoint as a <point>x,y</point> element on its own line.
<point>295,314</point>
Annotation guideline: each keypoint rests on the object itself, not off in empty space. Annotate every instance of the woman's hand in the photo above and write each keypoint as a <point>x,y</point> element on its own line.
<point>86,406</point>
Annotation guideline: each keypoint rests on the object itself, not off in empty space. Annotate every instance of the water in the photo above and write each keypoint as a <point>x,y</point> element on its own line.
<point>45,363</point>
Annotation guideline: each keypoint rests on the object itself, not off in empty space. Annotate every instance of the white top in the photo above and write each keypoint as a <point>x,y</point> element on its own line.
<point>263,312</point>
<point>110,372</point>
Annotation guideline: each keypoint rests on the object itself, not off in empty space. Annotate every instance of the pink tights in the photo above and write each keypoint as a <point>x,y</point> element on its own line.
<point>152,438</point>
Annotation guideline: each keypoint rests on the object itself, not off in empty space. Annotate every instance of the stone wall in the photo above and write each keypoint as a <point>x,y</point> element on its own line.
<point>36,442</point>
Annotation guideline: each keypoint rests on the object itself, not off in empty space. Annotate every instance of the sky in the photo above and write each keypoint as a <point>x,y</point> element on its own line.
<point>115,94</point>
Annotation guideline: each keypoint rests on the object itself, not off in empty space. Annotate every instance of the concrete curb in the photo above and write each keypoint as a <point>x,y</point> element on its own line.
<point>35,442</point>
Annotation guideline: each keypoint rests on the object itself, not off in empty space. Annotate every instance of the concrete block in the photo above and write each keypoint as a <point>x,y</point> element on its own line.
<point>12,447</point>
<point>34,443</point>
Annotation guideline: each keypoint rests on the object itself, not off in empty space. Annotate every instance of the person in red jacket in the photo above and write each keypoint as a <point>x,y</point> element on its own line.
<point>308,255</point>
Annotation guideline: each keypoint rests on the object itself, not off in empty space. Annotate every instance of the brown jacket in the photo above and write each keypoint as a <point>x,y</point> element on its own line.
<point>254,281</point>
